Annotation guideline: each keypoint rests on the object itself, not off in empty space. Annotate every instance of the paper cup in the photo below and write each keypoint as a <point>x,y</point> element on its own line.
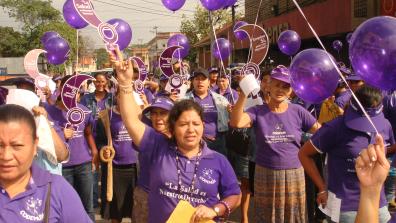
<point>249,85</point>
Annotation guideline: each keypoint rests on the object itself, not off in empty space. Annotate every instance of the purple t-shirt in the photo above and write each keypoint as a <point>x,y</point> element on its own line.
<point>343,146</point>
<point>215,176</point>
<point>278,135</point>
<point>29,206</point>
<point>210,114</point>
<point>389,103</point>
<point>122,142</point>
<point>343,99</point>
<point>79,150</point>
<point>230,95</point>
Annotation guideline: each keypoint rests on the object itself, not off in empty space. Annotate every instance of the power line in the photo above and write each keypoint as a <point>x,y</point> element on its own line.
<point>138,10</point>
<point>156,3</point>
<point>146,7</point>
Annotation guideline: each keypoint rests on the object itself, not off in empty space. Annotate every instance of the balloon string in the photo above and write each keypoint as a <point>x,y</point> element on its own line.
<point>255,23</point>
<point>221,58</point>
<point>334,64</point>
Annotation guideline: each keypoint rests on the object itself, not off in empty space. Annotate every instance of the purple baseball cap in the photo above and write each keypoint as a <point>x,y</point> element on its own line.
<point>160,102</point>
<point>163,77</point>
<point>353,77</point>
<point>213,70</point>
<point>281,73</point>
<point>343,68</point>
<point>355,119</point>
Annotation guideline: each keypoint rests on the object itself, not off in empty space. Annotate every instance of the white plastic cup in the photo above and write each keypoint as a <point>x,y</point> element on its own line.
<point>249,85</point>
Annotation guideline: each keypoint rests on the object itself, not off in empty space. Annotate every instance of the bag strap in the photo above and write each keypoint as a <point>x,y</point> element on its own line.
<point>47,204</point>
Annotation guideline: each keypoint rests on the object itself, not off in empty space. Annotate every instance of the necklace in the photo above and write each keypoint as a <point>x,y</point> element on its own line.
<point>196,165</point>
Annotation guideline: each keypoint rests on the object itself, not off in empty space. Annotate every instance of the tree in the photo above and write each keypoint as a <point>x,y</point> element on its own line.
<point>37,17</point>
<point>101,58</point>
<point>12,43</point>
<point>199,26</point>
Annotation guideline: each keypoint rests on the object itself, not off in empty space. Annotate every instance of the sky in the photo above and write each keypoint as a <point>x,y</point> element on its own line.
<point>142,16</point>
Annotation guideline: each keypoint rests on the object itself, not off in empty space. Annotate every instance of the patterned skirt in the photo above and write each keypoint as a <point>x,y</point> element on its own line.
<point>279,195</point>
<point>140,206</point>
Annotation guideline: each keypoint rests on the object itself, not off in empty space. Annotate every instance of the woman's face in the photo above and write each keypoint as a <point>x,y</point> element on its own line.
<point>17,149</point>
<point>201,84</point>
<point>279,90</point>
<point>159,119</point>
<point>188,130</point>
<point>223,83</point>
<point>100,83</point>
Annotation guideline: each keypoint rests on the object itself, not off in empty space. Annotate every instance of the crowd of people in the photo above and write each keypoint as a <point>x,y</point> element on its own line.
<point>152,149</point>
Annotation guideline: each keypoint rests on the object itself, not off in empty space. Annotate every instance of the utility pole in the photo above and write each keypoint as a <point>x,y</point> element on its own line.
<point>211,35</point>
<point>233,42</point>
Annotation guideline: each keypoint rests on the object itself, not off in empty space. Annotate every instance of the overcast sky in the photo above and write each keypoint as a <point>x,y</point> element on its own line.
<point>142,16</point>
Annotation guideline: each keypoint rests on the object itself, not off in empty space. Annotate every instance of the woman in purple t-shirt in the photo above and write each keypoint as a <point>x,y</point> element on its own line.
<point>279,184</point>
<point>183,168</point>
<point>27,192</point>
<point>342,139</point>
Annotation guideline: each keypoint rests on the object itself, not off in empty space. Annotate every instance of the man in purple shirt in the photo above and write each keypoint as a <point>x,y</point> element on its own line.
<point>343,139</point>
<point>213,76</point>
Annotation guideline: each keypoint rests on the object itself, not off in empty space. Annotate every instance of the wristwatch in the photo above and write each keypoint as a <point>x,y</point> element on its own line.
<point>217,210</point>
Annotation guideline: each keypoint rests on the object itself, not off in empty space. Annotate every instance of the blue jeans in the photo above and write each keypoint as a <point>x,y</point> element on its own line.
<point>349,216</point>
<point>81,178</point>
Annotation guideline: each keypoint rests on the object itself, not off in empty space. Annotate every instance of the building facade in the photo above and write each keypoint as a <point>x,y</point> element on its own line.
<point>331,19</point>
<point>156,46</point>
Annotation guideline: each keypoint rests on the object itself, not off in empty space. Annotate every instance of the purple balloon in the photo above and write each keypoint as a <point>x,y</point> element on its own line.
<point>372,52</point>
<point>222,49</point>
<point>57,46</point>
<point>337,45</point>
<point>348,37</point>
<point>55,59</point>
<point>48,35</point>
<point>289,42</point>
<point>229,3</point>
<point>314,78</point>
<point>124,32</point>
<point>241,35</point>
<point>72,17</point>
<point>179,40</point>
<point>213,5</point>
<point>173,5</point>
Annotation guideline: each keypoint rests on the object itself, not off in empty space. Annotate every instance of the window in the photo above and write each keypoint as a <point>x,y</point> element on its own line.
<point>360,8</point>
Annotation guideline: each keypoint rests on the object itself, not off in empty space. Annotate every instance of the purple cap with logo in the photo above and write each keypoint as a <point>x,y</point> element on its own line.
<point>160,102</point>
<point>281,73</point>
<point>353,77</point>
<point>355,119</point>
<point>163,77</point>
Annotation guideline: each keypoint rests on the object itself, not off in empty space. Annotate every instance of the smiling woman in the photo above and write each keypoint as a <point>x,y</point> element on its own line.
<point>42,197</point>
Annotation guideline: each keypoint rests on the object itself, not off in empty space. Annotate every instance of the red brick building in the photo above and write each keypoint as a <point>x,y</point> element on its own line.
<point>332,19</point>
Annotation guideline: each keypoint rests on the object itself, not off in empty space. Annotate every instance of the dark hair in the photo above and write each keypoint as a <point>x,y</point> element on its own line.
<point>100,74</point>
<point>17,113</point>
<point>370,97</point>
<point>64,79</point>
<point>179,108</point>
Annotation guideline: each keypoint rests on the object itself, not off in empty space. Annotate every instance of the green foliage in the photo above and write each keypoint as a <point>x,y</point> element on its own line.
<point>12,43</point>
<point>36,18</point>
<point>101,58</point>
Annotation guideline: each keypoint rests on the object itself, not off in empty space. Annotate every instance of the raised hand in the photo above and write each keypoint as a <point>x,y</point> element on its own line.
<point>372,167</point>
<point>124,69</point>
